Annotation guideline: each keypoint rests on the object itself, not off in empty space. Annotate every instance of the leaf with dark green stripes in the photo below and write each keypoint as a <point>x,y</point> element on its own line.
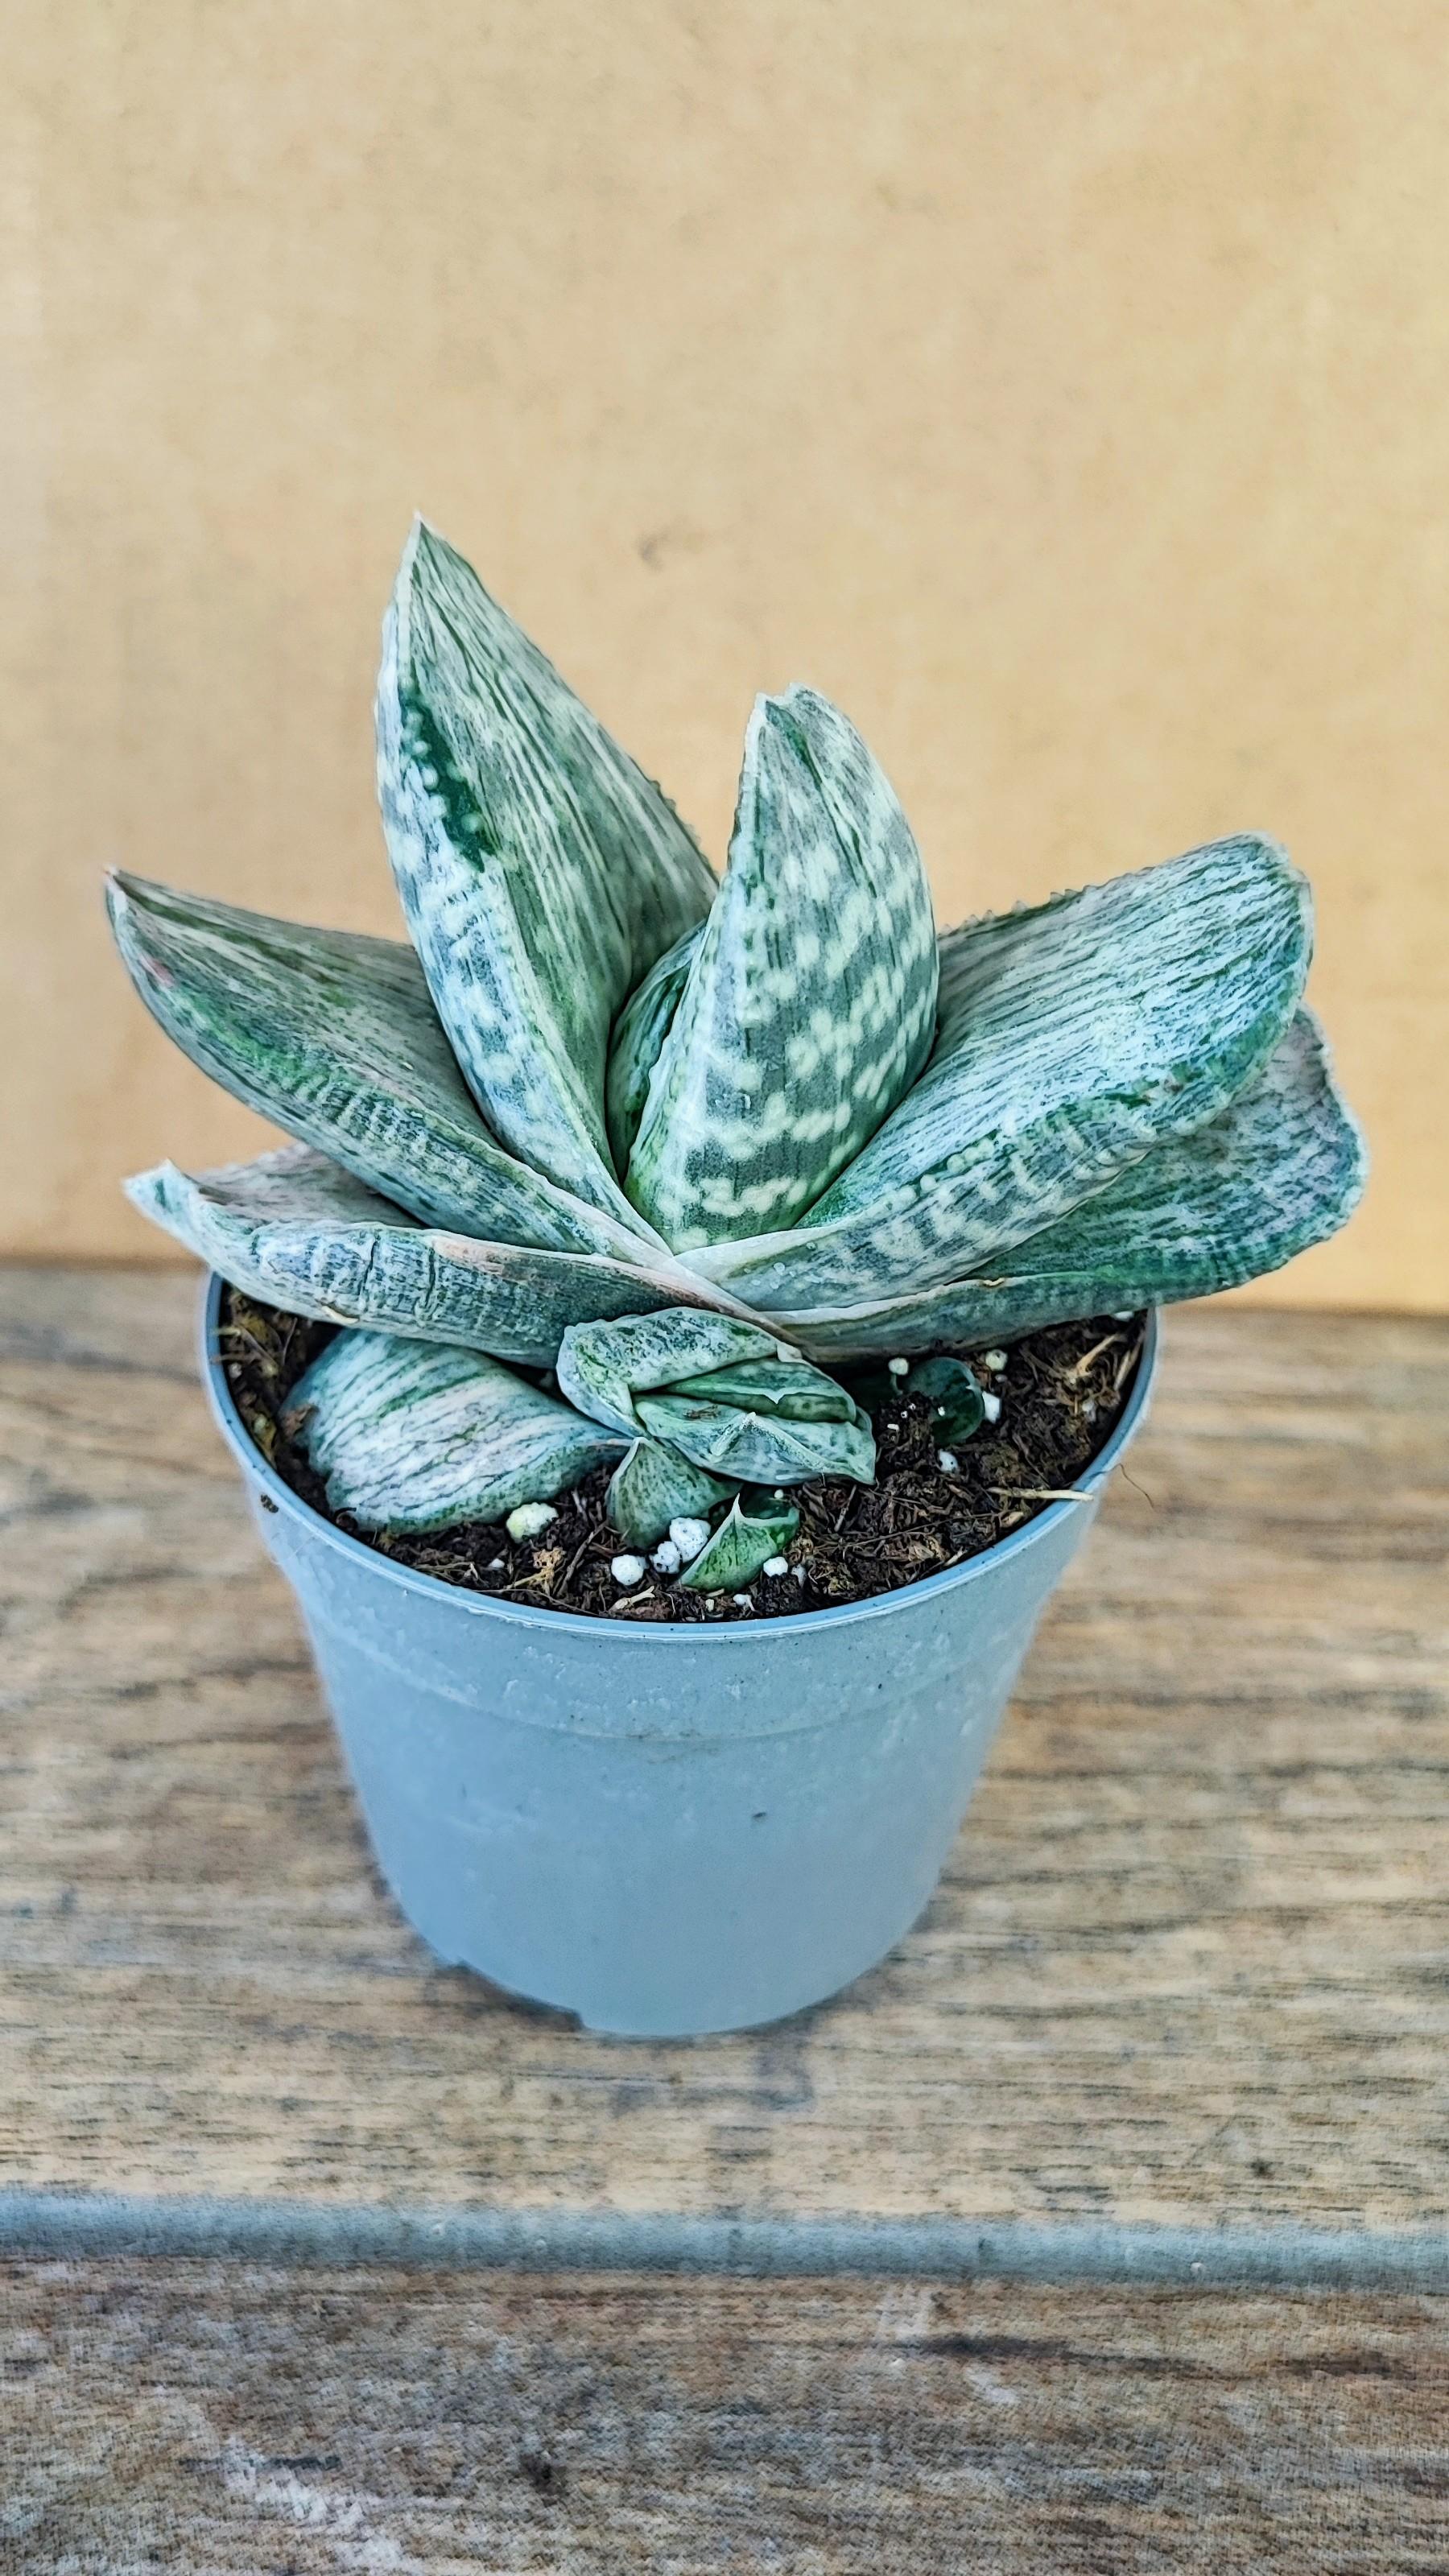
<point>652,1486</point>
<point>1078,1037</point>
<point>410,1438</point>
<point>541,872</point>
<point>334,1036</point>
<point>1282,1168</point>
<point>743,1543</point>
<point>810,1001</point>
<point>300,1233</point>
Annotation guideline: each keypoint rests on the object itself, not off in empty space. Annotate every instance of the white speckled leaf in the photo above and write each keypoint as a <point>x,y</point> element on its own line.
<point>334,1036</point>
<point>752,1448</point>
<point>1078,1036</point>
<point>641,1375</point>
<point>1282,1168</point>
<point>791,1388</point>
<point>602,1366</point>
<point>810,1001</point>
<point>639,1033</point>
<point>300,1233</point>
<point>739,1547</point>
<point>541,872</point>
<point>410,1438</point>
<point>652,1486</point>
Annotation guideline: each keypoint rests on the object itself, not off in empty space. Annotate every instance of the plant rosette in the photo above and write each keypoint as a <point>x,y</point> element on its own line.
<point>619,1167</point>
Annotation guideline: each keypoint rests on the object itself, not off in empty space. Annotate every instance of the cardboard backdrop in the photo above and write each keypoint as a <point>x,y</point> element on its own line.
<point>1064,390</point>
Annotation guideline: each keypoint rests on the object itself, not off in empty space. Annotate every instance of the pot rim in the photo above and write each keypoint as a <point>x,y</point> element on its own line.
<point>676,1635</point>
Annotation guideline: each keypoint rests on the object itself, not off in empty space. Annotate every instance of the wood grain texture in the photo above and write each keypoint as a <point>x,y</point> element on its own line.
<point>185,2417</point>
<point>1187,1962</point>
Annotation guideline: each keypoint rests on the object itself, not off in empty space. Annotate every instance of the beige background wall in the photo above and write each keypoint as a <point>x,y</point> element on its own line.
<point>1064,389</point>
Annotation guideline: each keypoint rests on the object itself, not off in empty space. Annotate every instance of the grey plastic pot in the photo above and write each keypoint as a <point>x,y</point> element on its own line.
<point>664,1830</point>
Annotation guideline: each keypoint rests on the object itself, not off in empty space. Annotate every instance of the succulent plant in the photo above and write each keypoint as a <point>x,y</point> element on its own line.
<point>689,1145</point>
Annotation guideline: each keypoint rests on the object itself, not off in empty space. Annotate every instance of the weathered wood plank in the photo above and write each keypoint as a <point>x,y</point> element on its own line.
<point>193,2417</point>
<point>1187,1963</point>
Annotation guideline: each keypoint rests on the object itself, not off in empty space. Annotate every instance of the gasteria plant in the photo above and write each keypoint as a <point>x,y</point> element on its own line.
<point>683,1142</point>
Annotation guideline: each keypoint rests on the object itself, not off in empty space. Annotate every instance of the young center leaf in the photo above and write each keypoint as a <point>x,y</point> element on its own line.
<point>1281,1168</point>
<point>809,1001</point>
<point>1079,1037</point>
<point>300,1233</point>
<point>411,1438</point>
<point>334,1036</point>
<point>639,1033</point>
<point>540,871</point>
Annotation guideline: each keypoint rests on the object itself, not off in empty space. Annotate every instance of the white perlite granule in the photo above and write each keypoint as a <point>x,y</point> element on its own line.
<point>627,1570</point>
<point>689,1537</point>
<point>529,1519</point>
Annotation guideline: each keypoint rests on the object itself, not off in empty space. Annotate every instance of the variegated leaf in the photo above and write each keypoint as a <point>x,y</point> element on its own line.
<point>791,1388</point>
<point>409,1438</point>
<point>750,1448</point>
<point>334,1036</point>
<point>603,1366</point>
<point>1281,1169</point>
<point>652,1486</point>
<point>739,1547</point>
<point>301,1233</point>
<point>639,1033</point>
<point>541,872</point>
<point>809,1004</point>
<point>1079,1036</point>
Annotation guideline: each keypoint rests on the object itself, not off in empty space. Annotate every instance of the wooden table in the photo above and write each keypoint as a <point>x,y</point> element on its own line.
<point>1101,2227</point>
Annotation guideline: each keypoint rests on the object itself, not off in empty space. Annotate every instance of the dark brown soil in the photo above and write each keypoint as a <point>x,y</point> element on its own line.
<point>1061,1392</point>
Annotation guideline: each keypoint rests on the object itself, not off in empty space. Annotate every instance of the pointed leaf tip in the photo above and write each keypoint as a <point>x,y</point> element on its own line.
<point>809,1003</point>
<point>540,871</point>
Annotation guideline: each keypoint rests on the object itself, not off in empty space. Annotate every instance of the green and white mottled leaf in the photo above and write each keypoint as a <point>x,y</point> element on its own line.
<point>334,1036</point>
<point>790,1388</point>
<point>1079,1036</point>
<point>749,1448</point>
<point>1282,1168</point>
<point>958,1407</point>
<point>297,1231</point>
<point>603,1366</point>
<point>410,1438</point>
<point>641,1375</point>
<point>809,1004</point>
<point>542,874</point>
<point>639,1033</point>
<point>743,1543</point>
<point>652,1486</point>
